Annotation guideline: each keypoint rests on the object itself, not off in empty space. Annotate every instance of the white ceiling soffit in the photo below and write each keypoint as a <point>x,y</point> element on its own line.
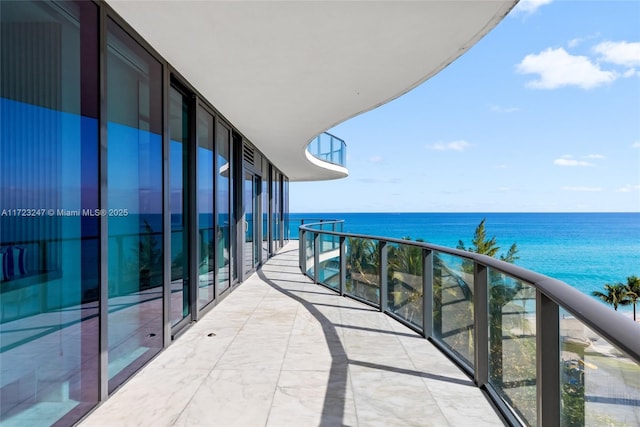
<point>284,71</point>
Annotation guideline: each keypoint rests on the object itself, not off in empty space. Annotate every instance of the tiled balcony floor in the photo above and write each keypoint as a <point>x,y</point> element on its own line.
<point>282,351</point>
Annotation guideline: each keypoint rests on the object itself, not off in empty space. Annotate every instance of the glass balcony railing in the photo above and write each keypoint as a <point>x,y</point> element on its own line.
<point>546,354</point>
<point>329,148</point>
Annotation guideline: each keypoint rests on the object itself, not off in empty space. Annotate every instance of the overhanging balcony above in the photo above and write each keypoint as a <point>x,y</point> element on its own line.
<point>283,72</point>
<point>329,152</point>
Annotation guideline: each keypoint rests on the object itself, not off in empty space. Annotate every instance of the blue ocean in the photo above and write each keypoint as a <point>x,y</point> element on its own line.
<point>585,250</point>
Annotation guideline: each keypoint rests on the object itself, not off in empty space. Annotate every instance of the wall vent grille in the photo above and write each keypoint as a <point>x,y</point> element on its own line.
<point>249,154</point>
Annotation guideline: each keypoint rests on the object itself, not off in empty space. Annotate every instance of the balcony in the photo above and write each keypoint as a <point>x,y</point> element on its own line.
<point>329,148</point>
<point>283,351</point>
<point>545,353</point>
<point>504,346</point>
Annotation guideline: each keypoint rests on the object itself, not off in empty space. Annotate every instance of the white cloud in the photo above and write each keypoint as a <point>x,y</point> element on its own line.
<point>379,180</point>
<point>635,144</point>
<point>594,156</point>
<point>376,159</point>
<point>574,42</point>
<point>583,189</point>
<point>530,6</point>
<point>450,146</point>
<point>557,68</point>
<point>630,73</point>
<point>628,188</point>
<point>569,161</point>
<point>499,109</point>
<point>620,53</point>
<point>579,40</point>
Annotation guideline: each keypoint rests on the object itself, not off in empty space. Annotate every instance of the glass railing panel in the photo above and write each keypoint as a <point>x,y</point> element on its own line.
<point>362,275</point>
<point>600,385</point>
<point>453,322</point>
<point>309,252</point>
<point>404,282</point>
<point>512,343</point>
<point>328,148</point>
<point>329,263</point>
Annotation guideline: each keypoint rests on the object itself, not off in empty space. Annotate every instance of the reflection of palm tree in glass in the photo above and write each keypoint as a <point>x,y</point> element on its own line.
<point>362,267</point>
<point>453,315</point>
<point>150,258</point>
<point>405,281</point>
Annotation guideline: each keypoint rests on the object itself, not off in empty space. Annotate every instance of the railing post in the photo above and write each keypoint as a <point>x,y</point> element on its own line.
<point>383,276</point>
<point>481,324</point>
<point>547,361</point>
<point>343,264</point>
<point>427,293</point>
<point>316,257</point>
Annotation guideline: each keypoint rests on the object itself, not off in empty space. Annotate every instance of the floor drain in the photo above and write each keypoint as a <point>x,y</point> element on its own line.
<point>211,334</point>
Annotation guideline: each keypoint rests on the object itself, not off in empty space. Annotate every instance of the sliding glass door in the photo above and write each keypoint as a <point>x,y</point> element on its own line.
<point>225,230</point>
<point>49,250</point>
<point>206,233</point>
<point>134,199</point>
<point>178,204</point>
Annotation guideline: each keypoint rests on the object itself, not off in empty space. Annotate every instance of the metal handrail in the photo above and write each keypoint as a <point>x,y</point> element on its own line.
<point>616,328</point>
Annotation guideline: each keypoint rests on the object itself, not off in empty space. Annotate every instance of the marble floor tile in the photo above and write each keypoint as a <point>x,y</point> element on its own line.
<point>281,351</point>
<point>232,398</point>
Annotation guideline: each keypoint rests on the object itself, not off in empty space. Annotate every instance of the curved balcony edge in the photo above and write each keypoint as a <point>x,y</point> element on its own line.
<point>327,148</point>
<point>555,391</point>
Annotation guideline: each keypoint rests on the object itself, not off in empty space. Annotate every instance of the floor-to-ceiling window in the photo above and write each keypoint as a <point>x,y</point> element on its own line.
<point>224,193</point>
<point>248,258</point>
<point>178,204</point>
<point>264,205</point>
<point>134,198</point>
<point>49,247</point>
<point>285,209</point>
<point>206,235</point>
<point>275,210</point>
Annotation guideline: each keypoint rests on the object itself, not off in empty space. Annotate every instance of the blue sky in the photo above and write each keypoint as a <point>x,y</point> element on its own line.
<point>542,115</point>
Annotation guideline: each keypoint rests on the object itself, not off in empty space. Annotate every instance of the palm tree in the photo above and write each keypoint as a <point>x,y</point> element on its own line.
<point>483,245</point>
<point>615,294</point>
<point>633,292</point>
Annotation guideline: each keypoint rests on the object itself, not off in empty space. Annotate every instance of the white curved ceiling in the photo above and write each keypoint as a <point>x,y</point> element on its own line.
<point>284,71</point>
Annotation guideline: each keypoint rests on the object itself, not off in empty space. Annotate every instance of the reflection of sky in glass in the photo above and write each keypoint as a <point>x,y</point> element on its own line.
<point>134,170</point>
<point>62,141</point>
<point>205,181</point>
<point>175,176</point>
<point>223,188</point>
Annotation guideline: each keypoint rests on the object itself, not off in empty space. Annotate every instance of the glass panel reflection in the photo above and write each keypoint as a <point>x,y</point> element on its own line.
<point>179,130</point>
<point>309,250</point>
<point>206,197</point>
<point>225,215</point>
<point>49,235</point>
<point>453,304</point>
<point>405,282</point>
<point>249,229</point>
<point>329,268</point>
<point>134,129</point>
<point>600,385</point>
<point>362,275</point>
<point>264,206</point>
<point>512,343</point>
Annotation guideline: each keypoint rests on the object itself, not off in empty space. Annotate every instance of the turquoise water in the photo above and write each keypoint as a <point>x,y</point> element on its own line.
<point>585,250</point>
